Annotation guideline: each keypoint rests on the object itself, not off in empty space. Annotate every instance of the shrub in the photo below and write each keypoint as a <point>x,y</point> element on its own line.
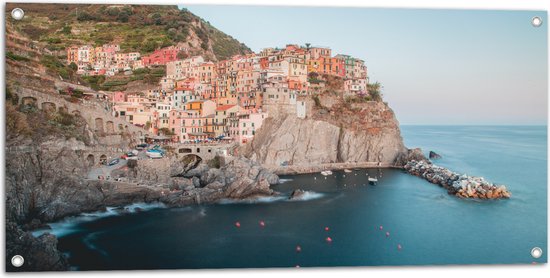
<point>84,16</point>
<point>317,101</point>
<point>16,57</point>
<point>215,162</point>
<point>375,91</point>
<point>64,118</point>
<point>16,122</point>
<point>66,30</point>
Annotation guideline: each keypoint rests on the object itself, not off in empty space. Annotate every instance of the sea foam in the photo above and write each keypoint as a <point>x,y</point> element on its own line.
<point>69,225</point>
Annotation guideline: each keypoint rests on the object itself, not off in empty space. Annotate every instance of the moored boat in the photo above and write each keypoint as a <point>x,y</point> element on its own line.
<point>326,173</point>
<point>154,154</point>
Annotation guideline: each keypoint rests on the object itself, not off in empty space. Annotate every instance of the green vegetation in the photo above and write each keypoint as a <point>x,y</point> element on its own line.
<point>16,57</point>
<point>111,85</point>
<point>29,122</point>
<point>32,31</point>
<point>66,30</point>
<point>375,91</point>
<point>11,98</point>
<point>55,66</point>
<point>141,28</point>
<point>95,81</point>
<point>166,131</point>
<point>317,101</point>
<point>148,75</point>
<point>16,123</point>
<point>357,99</point>
<point>215,162</point>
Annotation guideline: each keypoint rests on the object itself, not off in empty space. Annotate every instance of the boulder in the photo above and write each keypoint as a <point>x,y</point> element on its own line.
<point>40,253</point>
<point>434,155</point>
<point>297,194</point>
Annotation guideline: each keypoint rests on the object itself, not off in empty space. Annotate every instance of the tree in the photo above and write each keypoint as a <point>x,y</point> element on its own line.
<point>84,16</point>
<point>157,18</point>
<point>123,17</point>
<point>375,91</point>
<point>166,131</point>
<point>73,66</point>
<point>66,30</point>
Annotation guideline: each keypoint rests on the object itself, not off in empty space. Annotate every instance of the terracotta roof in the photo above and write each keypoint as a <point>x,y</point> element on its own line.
<point>224,107</point>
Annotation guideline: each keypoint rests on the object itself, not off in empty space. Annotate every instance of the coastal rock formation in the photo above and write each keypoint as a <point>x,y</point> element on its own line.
<point>434,155</point>
<point>462,186</point>
<point>410,155</point>
<point>40,253</point>
<point>297,194</point>
<point>365,133</point>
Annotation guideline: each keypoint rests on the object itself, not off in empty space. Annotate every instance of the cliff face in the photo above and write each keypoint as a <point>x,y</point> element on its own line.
<point>333,132</point>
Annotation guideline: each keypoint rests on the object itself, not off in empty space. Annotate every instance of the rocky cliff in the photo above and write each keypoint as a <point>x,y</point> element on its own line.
<point>333,132</point>
<point>47,182</point>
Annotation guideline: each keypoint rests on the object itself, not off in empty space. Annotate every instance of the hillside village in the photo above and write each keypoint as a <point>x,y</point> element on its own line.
<point>199,100</point>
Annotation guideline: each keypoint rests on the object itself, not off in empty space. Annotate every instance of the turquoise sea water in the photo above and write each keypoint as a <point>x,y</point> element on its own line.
<point>430,226</point>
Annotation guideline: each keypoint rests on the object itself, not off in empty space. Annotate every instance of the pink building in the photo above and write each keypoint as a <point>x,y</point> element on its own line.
<point>161,56</point>
<point>118,97</point>
<point>243,127</point>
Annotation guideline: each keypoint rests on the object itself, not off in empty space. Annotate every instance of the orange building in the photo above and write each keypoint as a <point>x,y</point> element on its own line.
<point>72,54</point>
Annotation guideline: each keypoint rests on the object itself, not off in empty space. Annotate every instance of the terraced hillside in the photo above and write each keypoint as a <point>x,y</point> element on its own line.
<point>140,28</point>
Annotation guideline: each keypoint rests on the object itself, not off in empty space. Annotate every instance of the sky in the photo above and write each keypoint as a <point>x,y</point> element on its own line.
<point>437,67</point>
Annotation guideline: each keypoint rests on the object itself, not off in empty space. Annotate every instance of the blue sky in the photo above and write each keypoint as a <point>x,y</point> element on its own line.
<point>436,66</point>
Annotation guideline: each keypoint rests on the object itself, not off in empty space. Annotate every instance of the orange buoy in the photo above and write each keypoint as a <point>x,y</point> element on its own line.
<point>399,247</point>
<point>327,229</point>
<point>328,239</point>
<point>298,249</point>
<point>238,224</point>
<point>262,224</point>
<point>381,228</point>
<point>387,234</point>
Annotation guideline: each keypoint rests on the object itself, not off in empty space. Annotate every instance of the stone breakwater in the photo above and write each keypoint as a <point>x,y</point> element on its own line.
<point>462,186</point>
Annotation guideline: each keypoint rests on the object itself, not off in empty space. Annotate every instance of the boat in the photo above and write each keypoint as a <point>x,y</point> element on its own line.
<point>326,173</point>
<point>154,154</point>
<point>347,170</point>
<point>373,181</point>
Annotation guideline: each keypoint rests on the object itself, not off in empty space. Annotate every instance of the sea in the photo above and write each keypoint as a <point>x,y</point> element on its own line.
<point>342,220</point>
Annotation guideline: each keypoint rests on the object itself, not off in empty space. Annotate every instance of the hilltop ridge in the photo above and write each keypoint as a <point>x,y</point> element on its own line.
<point>141,28</point>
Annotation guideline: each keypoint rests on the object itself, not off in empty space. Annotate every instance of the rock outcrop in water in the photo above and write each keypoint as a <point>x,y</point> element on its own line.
<point>434,155</point>
<point>40,253</point>
<point>462,186</point>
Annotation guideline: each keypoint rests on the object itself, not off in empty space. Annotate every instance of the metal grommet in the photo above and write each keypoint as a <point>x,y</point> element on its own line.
<point>536,21</point>
<point>17,260</point>
<point>17,13</point>
<point>536,252</point>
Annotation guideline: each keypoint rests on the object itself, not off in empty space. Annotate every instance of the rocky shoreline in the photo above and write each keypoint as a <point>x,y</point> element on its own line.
<point>175,183</point>
<point>462,186</point>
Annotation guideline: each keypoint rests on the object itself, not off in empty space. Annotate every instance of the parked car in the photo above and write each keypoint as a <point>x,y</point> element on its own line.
<point>114,162</point>
<point>141,146</point>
